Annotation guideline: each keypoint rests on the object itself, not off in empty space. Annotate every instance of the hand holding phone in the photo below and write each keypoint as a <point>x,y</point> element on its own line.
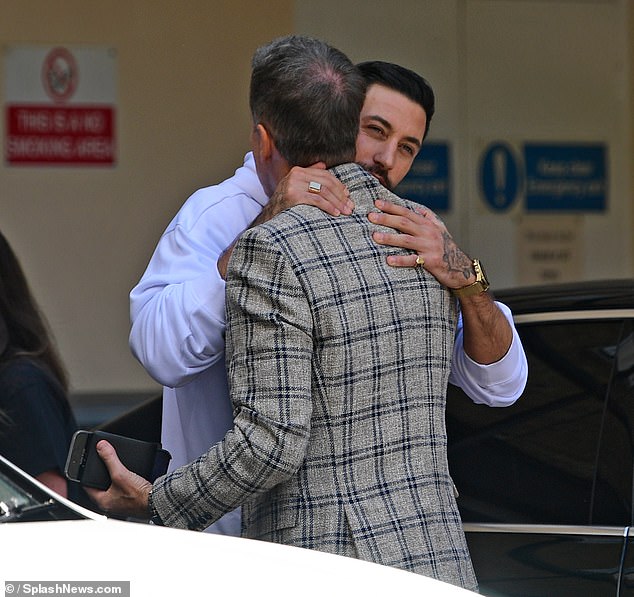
<point>85,466</point>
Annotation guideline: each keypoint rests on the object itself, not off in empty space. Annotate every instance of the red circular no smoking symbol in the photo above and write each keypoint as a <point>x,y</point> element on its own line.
<point>60,74</point>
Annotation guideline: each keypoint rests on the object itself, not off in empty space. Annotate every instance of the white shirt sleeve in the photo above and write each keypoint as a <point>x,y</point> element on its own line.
<point>178,310</point>
<point>178,307</point>
<point>497,384</point>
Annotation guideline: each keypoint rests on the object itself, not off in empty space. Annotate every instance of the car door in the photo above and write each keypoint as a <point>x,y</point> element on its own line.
<point>614,477</point>
<point>543,484</point>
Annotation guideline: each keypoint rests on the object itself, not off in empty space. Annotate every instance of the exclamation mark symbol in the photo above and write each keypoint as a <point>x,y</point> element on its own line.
<point>499,173</point>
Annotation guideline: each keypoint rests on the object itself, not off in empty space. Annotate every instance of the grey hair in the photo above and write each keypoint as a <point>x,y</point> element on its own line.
<point>308,95</point>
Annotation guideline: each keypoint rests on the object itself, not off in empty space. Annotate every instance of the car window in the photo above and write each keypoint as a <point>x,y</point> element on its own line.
<point>612,501</point>
<point>12,497</point>
<point>535,462</point>
<point>21,500</point>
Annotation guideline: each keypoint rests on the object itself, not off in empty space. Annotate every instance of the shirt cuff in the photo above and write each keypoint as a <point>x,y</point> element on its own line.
<point>496,384</point>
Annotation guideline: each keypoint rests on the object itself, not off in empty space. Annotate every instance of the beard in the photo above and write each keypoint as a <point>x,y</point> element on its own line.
<point>380,174</point>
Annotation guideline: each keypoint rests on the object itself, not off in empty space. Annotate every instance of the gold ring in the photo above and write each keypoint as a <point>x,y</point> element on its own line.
<point>420,260</point>
<point>314,187</point>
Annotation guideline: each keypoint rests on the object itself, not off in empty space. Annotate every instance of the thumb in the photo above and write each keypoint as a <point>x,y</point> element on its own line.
<point>108,454</point>
<point>320,165</point>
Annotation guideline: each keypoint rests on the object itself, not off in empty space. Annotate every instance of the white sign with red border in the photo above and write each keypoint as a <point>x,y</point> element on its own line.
<point>60,105</point>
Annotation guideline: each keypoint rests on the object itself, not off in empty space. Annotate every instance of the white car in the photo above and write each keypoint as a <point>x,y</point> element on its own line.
<point>51,546</point>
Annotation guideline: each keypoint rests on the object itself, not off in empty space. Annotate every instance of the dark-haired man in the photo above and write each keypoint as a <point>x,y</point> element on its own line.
<point>489,362</point>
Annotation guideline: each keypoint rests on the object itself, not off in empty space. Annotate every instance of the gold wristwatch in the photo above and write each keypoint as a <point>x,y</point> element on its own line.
<point>481,283</point>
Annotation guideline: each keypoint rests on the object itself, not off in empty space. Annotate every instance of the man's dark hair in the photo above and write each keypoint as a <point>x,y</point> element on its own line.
<point>309,96</point>
<point>403,80</point>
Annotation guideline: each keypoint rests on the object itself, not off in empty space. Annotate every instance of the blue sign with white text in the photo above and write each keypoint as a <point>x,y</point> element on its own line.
<point>565,177</point>
<point>499,176</point>
<point>428,180</point>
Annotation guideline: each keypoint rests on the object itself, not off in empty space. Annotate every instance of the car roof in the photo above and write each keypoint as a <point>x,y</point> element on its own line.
<point>593,295</point>
<point>162,561</point>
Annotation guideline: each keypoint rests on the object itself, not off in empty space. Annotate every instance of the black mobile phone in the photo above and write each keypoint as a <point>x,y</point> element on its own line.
<point>84,465</point>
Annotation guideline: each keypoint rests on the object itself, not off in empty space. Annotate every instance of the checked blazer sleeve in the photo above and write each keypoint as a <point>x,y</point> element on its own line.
<point>271,393</point>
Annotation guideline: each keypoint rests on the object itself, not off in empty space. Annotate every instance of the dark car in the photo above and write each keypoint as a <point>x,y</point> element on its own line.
<point>545,486</point>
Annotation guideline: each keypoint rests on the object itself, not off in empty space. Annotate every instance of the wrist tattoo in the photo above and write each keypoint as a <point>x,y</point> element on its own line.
<point>455,259</point>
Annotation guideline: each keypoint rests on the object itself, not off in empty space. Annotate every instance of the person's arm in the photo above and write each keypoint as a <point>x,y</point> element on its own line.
<point>487,335</point>
<point>178,307</point>
<point>266,312</point>
<point>177,311</point>
<point>499,383</point>
<point>35,423</point>
<point>54,480</point>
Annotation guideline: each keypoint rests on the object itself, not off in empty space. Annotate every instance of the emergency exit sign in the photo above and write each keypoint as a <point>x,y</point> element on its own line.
<point>568,177</point>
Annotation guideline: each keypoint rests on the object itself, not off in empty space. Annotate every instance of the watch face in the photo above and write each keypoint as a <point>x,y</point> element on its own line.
<point>481,283</point>
<point>484,274</point>
<point>481,275</point>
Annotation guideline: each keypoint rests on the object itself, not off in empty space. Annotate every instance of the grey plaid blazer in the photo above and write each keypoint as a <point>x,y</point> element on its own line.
<point>338,368</point>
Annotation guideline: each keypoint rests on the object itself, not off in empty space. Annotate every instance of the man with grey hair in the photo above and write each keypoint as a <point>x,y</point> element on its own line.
<point>338,363</point>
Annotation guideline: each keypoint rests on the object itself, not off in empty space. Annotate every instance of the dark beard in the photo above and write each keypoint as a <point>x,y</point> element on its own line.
<point>379,173</point>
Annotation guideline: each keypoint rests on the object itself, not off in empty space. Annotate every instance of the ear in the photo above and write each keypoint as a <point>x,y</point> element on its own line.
<point>263,142</point>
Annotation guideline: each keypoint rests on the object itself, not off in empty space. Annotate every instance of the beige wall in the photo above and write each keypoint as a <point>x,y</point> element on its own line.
<point>84,235</point>
<point>512,71</point>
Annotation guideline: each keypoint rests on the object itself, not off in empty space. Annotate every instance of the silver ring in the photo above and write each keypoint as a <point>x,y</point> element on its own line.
<point>314,187</point>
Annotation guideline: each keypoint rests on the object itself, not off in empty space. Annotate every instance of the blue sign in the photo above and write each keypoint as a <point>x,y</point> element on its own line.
<point>565,177</point>
<point>428,180</point>
<point>499,177</point>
